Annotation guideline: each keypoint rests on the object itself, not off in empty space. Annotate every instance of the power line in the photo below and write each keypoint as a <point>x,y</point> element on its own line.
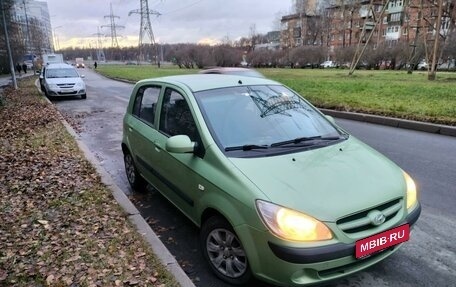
<point>182,8</point>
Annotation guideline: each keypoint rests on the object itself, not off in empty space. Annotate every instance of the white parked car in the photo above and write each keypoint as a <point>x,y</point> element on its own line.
<point>63,80</point>
<point>328,64</point>
<point>423,65</point>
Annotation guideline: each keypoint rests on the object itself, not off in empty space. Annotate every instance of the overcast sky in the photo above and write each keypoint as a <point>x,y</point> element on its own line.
<point>75,22</point>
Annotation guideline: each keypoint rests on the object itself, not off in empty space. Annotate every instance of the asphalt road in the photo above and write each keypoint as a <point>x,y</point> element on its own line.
<point>428,259</point>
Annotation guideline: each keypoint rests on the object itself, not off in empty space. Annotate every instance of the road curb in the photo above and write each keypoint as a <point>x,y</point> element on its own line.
<point>394,122</point>
<point>142,227</point>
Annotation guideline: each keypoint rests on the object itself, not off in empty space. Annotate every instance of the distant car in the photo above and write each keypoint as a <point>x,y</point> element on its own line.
<point>423,65</point>
<point>62,80</point>
<point>79,63</point>
<point>233,71</point>
<point>279,190</point>
<point>328,64</point>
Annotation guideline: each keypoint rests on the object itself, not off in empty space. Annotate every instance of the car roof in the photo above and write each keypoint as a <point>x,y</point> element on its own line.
<point>59,66</point>
<point>202,82</point>
<point>232,70</point>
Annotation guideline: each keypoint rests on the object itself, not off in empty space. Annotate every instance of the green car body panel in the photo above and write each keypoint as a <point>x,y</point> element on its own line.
<point>329,183</point>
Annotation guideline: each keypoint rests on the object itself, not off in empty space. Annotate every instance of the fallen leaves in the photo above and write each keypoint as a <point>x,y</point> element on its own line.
<point>60,225</point>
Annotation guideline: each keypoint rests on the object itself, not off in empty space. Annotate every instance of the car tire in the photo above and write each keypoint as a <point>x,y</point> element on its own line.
<point>135,179</point>
<point>84,96</point>
<point>223,251</point>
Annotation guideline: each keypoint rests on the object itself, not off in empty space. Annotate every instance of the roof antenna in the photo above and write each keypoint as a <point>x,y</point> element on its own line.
<point>240,82</point>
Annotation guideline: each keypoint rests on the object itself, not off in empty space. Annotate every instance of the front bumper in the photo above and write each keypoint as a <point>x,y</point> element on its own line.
<point>294,266</point>
<point>67,93</point>
<point>325,253</point>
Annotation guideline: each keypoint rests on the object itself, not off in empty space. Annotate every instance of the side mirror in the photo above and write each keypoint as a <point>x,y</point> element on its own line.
<point>180,144</point>
<point>331,119</point>
<point>82,76</point>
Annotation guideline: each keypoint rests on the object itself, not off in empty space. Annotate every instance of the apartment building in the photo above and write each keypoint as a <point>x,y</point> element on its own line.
<point>301,29</point>
<point>344,25</point>
<point>33,20</point>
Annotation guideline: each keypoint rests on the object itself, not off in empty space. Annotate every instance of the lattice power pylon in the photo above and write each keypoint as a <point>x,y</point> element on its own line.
<point>113,26</point>
<point>146,34</point>
<point>100,53</point>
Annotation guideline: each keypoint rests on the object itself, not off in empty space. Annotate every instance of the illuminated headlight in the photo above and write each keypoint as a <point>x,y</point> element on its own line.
<point>411,190</point>
<point>290,224</point>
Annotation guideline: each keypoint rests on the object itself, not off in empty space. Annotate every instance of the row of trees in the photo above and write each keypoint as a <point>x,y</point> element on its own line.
<point>200,56</point>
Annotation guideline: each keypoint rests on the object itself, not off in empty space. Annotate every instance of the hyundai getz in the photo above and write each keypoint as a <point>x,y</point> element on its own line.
<point>280,192</point>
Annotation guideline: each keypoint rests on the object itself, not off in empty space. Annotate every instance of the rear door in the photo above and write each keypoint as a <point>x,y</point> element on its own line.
<point>141,130</point>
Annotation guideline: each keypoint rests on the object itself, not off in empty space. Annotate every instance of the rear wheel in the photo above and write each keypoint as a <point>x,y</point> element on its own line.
<point>224,252</point>
<point>135,179</point>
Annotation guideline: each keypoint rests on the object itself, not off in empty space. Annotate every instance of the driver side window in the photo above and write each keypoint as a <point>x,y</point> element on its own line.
<point>175,116</point>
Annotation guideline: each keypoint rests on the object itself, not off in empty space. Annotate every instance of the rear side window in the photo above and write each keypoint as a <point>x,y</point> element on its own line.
<point>146,103</point>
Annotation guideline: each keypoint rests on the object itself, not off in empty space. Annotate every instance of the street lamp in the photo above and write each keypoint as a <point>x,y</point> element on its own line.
<point>55,37</point>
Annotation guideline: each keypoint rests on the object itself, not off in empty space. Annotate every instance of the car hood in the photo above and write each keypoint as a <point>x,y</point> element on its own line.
<point>327,183</point>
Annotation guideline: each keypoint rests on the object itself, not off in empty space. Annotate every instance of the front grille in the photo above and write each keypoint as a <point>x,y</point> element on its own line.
<point>68,93</point>
<point>360,221</point>
<point>66,85</point>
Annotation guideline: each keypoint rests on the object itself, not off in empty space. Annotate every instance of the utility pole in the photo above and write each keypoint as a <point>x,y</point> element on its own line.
<point>8,47</point>
<point>28,37</point>
<point>367,26</point>
<point>427,22</point>
<point>411,61</point>
<point>431,74</point>
<point>113,26</point>
<point>145,31</point>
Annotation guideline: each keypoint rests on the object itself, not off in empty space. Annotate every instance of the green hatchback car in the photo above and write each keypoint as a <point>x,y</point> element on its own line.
<point>279,191</point>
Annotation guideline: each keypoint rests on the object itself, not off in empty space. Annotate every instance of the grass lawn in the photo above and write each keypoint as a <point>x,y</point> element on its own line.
<point>390,93</point>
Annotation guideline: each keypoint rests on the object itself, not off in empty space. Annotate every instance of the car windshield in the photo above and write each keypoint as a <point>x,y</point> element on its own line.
<point>262,117</point>
<point>61,73</point>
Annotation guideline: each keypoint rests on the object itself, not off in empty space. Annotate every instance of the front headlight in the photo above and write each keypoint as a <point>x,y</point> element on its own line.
<point>290,224</point>
<point>411,190</point>
<point>53,87</point>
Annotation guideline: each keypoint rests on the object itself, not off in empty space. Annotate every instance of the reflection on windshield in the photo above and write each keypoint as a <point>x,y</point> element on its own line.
<point>254,116</point>
<point>274,103</point>
<point>61,73</point>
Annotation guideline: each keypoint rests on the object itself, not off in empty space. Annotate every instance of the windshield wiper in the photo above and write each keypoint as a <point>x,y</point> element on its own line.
<point>246,147</point>
<point>304,139</point>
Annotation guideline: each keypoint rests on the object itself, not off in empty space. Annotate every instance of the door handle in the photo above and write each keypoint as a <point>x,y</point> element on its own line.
<point>157,145</point>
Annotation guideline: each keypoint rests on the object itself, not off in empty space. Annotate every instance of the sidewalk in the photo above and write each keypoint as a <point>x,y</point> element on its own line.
<point>6,80</point>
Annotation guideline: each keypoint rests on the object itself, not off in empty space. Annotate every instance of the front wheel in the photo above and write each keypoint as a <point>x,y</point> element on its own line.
<point>224,252</point>
<point>135,179</point>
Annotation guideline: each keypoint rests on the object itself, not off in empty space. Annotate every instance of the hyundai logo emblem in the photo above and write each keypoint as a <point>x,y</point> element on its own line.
<point>376,217</point>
